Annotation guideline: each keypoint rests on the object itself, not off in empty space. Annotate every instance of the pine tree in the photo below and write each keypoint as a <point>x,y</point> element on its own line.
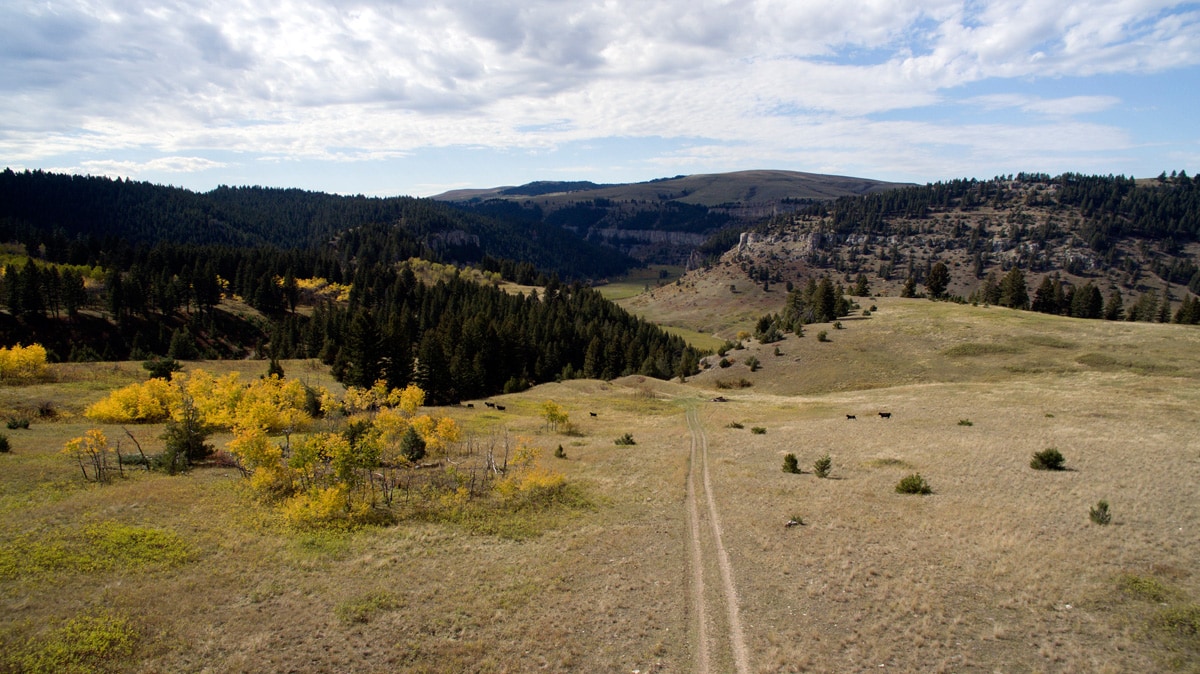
<point>1114,308</point>
<point>937,281</point>
<point>1013,291</point>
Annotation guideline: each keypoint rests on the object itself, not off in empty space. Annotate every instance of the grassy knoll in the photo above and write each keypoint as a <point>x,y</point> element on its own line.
<point>998,569</point>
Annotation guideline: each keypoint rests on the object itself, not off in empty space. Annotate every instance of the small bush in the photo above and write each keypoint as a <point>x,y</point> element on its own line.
<point>1181,620</point>
<point>790,464</point>
<point>837,325</point>
<point>822,466</point>
<point>1047,459</point>
<point>560,453</point>
<point>1100,514</point>
<point>624,440</point>
<point>725,362</point>
<point>46,410</point>
<point>18,422</point>
<point>872,308</point>
<point>965,422</point>
<point>5,448</point>
<point>753,364</point>
<point>866,312</point>
<point>734,424</point>
<point>913,484</point>
<point>758,430</point>
<point>822,336</point>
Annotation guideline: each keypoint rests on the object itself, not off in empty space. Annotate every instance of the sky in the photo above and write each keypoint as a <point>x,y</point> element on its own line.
<point>416,97</point>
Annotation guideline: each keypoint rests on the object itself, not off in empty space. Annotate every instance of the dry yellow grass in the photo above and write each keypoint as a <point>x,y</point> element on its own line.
<point>998,570</point>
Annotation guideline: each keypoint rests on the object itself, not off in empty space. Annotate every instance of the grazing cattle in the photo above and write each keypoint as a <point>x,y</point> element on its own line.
<point>471,405</point>
<point>719,399</point>
<point>886,415</point>
<point>851,416</point>
<point>490,404</point>
<point>593,414</point>
<point>500,407</point>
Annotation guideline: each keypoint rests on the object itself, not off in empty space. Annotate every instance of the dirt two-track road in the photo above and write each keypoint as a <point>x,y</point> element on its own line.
<point>717,637</point>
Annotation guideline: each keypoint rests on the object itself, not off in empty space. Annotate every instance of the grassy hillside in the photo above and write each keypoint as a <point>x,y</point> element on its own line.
<point>998,569</point>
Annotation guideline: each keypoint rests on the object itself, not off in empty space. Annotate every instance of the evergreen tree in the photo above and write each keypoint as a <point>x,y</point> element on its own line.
<point>362,352</point>
<point>1114,309</point>
<point>1013,292</point>
<point>910,287</point>
<point>937,281</point>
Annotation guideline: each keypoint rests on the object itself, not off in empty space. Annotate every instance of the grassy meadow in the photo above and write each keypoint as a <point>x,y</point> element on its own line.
<point>999,569</point>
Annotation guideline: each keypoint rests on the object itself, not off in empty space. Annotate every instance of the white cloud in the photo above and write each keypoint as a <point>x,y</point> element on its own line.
<point>349,80</point>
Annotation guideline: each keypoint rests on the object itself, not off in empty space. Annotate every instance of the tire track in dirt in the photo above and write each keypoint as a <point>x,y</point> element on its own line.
<point>737,642</point>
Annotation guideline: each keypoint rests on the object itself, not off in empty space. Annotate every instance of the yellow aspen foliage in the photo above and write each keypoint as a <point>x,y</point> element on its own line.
<point>254,449</point>
<point>554,415</point>
<point>92,451</point>
<point>215,397</point>
<point>23,363</point>
<point>527,482</point>
<point>411,398</point>
<point>317,507</point>
<point>149,402</point>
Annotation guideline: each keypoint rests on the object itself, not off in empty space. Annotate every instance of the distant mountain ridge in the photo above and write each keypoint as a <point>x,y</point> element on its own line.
<point>664,220</point>
<point>705,189</point>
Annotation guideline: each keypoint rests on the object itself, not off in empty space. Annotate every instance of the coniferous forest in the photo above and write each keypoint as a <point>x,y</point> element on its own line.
<point>99,269</point>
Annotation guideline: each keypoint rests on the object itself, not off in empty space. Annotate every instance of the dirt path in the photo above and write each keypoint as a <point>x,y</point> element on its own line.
<point>737,643</point>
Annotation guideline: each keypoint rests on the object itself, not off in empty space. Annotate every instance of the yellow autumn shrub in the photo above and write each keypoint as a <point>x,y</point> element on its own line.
<point>23,363</point>
<point>149,402</point>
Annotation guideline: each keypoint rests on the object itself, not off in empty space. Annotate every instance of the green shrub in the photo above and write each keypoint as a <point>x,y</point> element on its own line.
<point>1099,513</point>
<point>822,466</point>
<point>837,325</point>
<point>758,430</point>
<point>725,362</point>
<point>87,643</point>
<point>5,448</point>
<point>625,440</point>
<point>560,453</point>
<point>822,336</point>
<point>734,424</point>
<point>1181,620</point>
<point>1047,459</point>
<point>913,484</point>
<point>753,364</point>
<point>965,422</point>
<point>790,464</point>
<point>18,422</point>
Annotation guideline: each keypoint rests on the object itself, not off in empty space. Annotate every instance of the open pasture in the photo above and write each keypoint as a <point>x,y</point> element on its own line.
<point>999,569</point>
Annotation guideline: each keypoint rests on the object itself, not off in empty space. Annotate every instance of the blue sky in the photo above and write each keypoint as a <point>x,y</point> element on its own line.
<point>417,97</point>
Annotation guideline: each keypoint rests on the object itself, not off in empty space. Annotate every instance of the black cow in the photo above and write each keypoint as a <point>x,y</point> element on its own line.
<point>593,414</point>
<point>490,404</point>
<point>851,416</point>
<point>471,405</point>
<point>885,415</point>
<point>500,407</point>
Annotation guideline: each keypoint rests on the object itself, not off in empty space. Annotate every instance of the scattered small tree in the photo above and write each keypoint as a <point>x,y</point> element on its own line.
<point>822,466</point>
<point>184,439</point>
<point>412,445</point>
<point>92,450</point>
<point>753,364</point>
<point>913,484</point>
<point>1099,513</point>
<point>790,464</point>
<point>161,368</point>
<point>822,336</point>
<point>1047,459</point>
<point>560,453</point>
<point>554,415</point>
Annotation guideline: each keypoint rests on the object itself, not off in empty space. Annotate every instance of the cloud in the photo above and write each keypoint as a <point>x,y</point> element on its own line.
<point>360,80</point>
